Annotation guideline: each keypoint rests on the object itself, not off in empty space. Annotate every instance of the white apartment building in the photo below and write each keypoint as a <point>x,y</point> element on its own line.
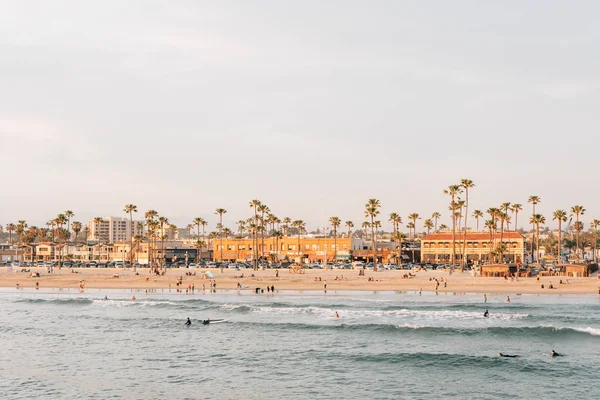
<point>114,229</point>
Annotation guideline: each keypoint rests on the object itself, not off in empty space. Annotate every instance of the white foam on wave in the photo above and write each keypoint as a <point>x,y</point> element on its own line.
<point>590,330</point>
<point>357,313</point>
<point>131,303</point>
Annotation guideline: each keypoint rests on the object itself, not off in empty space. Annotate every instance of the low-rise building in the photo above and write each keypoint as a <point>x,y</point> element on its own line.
<point>480,246</point>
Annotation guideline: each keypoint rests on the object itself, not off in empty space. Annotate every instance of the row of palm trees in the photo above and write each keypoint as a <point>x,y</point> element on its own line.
<point>263,223</point>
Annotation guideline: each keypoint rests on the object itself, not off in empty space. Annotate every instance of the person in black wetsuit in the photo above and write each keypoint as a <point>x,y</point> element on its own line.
<point>507,355</point>
<point>188,322</point>
<point>486,314</point>
<point>555,354</point>
<point>206,322</point>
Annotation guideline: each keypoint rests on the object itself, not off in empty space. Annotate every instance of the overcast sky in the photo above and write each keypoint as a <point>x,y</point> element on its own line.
<point>312,107</point>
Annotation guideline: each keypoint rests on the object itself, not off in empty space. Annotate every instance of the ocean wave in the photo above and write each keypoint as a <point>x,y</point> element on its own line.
<point>65,301</point>
<point>421,329</point>
<point>327,312</point>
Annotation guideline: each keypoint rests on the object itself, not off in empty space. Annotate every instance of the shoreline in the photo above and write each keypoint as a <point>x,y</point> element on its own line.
<point>311,280</point>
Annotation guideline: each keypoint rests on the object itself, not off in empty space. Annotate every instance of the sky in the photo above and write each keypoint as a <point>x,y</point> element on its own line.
<point>312,107</point>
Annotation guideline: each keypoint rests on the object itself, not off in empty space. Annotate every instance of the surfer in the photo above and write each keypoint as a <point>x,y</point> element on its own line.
<point>555,354</point>
<point>508,355</point>
<point>105,297</point>
<point>338,315</point>
<point>486,314</point>
<point>206,321</point>
<point>188,322</point>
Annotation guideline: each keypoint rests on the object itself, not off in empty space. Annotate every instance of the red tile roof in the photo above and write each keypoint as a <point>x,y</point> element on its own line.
<point>472,236</point>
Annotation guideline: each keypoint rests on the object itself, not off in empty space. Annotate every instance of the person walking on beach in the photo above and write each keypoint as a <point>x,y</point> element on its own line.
<point>272,290</point>
<point>325,286</point>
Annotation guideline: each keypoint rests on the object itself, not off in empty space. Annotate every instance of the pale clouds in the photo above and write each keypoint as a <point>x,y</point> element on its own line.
<point>311,106</point>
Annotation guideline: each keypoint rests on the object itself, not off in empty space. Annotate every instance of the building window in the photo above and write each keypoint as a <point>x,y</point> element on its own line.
<point>307,247</point>
<point>314,247</point>
<point>344,247</point>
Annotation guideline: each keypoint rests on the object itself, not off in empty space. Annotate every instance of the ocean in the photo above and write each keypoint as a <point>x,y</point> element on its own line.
<point>62,344</point>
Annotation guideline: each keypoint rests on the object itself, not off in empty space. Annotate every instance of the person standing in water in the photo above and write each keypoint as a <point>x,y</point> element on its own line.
<point>486,314</point>
<point>484,298</point>
<point>508,299</point>
<point>188,322</point>
<point>338,315</point>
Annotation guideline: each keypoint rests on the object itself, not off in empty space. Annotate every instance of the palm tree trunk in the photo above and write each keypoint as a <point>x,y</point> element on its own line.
<point>537,242</point>
<point>577,237</point>
<point>559,244</point>
<point>374,245</point>
<point>453,232</point>
<point>464,259</point>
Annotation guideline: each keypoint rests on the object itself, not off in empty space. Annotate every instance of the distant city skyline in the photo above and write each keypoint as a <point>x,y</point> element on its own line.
<point>312,107</point>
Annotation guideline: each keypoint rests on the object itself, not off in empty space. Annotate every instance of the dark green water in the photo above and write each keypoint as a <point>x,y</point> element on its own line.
<point>66,345</point>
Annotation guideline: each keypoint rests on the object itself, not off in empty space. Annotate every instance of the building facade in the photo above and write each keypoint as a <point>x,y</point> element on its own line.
<point>114,229</point>
<point>480,246</point>
<point>305,249</point>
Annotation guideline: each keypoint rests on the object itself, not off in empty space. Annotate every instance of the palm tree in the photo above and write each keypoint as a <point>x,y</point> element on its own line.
<point>491,226</point>
<point>255,204</point>
<point>560,216</point>
<point>335,224</point>
<point>300,226</point>
<point>414,217</point>
<point>10,228</point>
<point>76,228</point>
<point>505,207</point>
<point>241,227</point>
<point>395,219</point>
<point>263,209</point>
<point>98,221</point>
<point>162,222</point>
<point>371,211</point>
<point>366,225</point>
<point>69,214</point>
<point>349,225</point>
<point>198,221</point>
<point>502,216</point>
<point>515,209</point>
<point>453,191</point>
<point>287,222</point>
<point>443,227</point>
<point>466,184</point>
<point>595,224</point>
<point>533,200</point>
<point>428,224</point>
<point>435,216</point>
<point>220,212</point>
<point>398,238</point>
<point>537,219</point>
<point>577,211</point>
<point>130,209</point>
<point>278,235</point>
<point>137,239</point>
<point>477,214</point>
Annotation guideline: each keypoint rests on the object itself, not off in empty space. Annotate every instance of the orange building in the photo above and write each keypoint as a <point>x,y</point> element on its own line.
<point>437,247</point>
<point>290,248</point>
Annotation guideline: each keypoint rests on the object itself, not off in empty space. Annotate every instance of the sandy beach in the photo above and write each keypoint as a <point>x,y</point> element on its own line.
<point>310,280</point>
